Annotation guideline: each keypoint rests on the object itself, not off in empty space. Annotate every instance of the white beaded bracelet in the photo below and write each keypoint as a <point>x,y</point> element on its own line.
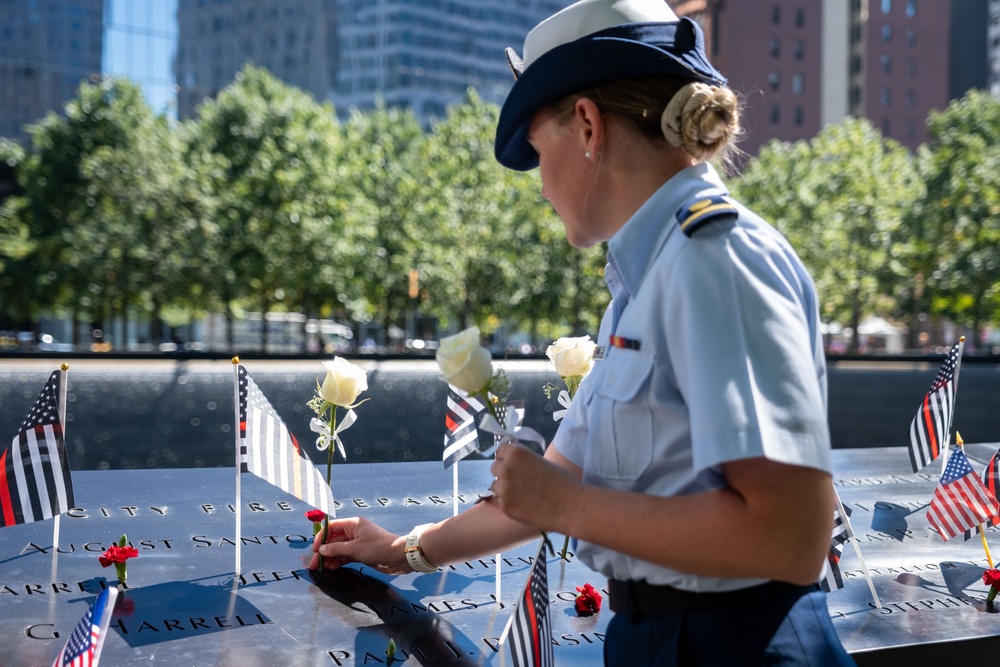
<point>414,555</point>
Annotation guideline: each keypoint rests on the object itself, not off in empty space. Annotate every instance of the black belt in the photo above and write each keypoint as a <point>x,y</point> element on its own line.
<point>637,598</point>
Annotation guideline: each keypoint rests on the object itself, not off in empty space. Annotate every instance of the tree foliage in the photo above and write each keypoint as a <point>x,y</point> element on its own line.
<point>841,202</point>
<point>264,202</point>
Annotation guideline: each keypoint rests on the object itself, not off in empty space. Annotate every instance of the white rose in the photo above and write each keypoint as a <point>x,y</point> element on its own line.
<point>343,382</point>
<point>572,357</point>
<point>464,362</point>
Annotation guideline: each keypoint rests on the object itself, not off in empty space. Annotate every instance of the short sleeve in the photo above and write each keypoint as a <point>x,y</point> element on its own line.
<point>741,343</point>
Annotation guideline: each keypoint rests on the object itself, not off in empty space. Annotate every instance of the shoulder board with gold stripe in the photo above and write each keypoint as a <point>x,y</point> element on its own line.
<point>698,211</point>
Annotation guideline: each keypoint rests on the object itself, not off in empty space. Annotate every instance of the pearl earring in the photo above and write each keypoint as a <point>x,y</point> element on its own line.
<point>587,155</point>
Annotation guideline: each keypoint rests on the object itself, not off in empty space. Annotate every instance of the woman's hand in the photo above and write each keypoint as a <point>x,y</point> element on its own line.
<point>532,489</point>
<point>358,540</point>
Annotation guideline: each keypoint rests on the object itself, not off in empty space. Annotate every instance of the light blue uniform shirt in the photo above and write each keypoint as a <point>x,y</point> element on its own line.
<point>730,365</point>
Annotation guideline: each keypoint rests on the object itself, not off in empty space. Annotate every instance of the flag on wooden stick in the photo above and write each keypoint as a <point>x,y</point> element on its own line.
<point>960,501</point>
<point>35,481</point>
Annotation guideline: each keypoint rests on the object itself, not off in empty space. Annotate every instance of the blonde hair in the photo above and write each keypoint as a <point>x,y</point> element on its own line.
<point>701,119</point>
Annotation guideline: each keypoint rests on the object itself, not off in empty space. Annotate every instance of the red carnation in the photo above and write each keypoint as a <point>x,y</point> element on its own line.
<point>316,516</point>
<point>992,579</point>
<point>117,554</point>
<point>588,600</point>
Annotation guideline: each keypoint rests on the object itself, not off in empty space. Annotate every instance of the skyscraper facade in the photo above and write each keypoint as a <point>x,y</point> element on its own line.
<point>47,47</point>
<point>422,54</point>
<point>802,64</point>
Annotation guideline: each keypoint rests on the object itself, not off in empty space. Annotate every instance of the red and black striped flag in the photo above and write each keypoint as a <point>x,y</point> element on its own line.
<point>35,482</point>
<point>931,426</point>
<point>270,451</point>
<point>460,437</point>
<point>531,633</point>
<point>831,579</point>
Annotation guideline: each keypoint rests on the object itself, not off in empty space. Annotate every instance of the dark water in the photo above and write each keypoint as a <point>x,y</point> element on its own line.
<point>170,414</point>
<point>131,414</point>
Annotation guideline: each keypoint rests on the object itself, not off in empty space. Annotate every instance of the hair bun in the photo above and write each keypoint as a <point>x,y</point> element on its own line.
<point>701,119</point>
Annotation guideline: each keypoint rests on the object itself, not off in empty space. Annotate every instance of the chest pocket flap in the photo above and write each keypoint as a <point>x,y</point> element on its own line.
<point>620,416</point>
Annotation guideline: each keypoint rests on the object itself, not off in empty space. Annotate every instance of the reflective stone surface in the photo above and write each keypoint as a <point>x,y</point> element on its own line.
<point>181,607</point>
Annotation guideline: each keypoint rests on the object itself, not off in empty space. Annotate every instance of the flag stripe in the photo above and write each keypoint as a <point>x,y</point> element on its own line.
<point>531,632</point>
<point>961,501</point>
<point>270,451</point>
<point>461,437</point>
<point>35,481</point>
<point>5,499</point>
<point>931,426</point>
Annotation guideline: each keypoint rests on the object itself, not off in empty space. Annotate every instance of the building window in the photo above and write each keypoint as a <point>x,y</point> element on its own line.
<point>886,96</point>
<point>886,34</point>
<point>797,84</point>
<point>910,129</point>
<point>855,96</point>
<point>886,127</point>
<point>886,61</point>
<point>911,8</point>
<point>774,79</point>
<point>800,17</point>
<point>799,115</point>
<point>911,67</point>
<point>855,64</point>
<point>911,99</point>
<point>775,114</point>
<point>911,36</point>
<point>800,49</point>
<point>855,33</point>
<point>776,15</point>
<point>886,6</point>
<point>775,47</point>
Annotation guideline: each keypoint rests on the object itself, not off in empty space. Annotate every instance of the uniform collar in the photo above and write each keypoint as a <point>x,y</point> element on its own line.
<point>633,247</point>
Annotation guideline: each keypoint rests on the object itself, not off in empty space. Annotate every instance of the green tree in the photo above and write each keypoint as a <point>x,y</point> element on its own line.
<point>470,204</point>
<point>92,180</point>
<point>841,199</point>
<point>272,173</point>
<point>959,226</point>
<point>380,170</point>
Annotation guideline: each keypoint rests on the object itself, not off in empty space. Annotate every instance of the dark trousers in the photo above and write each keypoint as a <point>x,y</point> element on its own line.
<point>787,626</point>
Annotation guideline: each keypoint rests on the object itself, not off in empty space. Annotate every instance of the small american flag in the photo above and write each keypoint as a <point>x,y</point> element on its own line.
<point>931,426</point>
<point>531,634</point>
<point>461,437</point>
<point>960,500</point>
<point>270,451</point>
<point>35,481</point>
<point>83,648</point>
<point>991,480</point>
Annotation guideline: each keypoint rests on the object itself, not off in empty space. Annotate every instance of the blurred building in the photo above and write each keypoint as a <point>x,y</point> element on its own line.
<point>993,45</point>
<point>47,47</point>
<point>421,54</point>
<point>802,64</point>
<point>139,41</point>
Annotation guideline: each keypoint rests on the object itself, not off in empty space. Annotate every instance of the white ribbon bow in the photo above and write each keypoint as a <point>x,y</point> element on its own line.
<point>325,436</point>
<point>510,430</point>
<point>564,400</point>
